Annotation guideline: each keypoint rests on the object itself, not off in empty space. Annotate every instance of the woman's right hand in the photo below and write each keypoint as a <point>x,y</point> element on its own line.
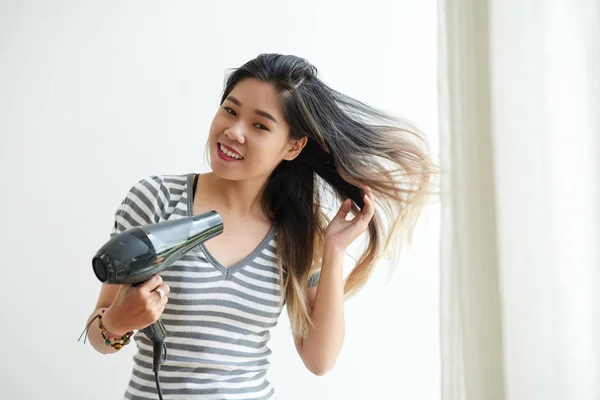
<point>135,308</point>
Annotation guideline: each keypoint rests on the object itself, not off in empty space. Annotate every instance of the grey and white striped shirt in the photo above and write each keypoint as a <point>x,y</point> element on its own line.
<point>218,319</point>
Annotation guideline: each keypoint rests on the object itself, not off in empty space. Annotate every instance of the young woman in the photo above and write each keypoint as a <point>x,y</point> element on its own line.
<point>279,139</point>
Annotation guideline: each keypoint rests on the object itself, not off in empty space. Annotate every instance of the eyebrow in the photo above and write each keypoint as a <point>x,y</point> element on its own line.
<point>257,112</point>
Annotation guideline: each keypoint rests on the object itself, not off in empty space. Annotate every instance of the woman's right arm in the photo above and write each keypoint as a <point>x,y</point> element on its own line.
<point>131,308</point>
<point>127,308</point>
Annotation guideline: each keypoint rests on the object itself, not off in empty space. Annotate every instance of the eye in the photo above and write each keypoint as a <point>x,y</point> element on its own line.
<point>261,127</point>
<point>229,110</point>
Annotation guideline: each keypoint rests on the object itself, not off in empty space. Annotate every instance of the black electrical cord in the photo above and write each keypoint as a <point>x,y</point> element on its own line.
<point>159,356</point>
<point>158,386</point>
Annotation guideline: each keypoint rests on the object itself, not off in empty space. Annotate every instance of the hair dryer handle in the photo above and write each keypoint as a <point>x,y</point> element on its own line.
<point>156,332</point>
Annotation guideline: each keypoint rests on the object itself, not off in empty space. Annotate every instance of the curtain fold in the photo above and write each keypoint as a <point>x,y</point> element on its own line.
<point>520,284</point>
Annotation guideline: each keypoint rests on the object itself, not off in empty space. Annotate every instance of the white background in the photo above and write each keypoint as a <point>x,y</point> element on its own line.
<point>95,96</point>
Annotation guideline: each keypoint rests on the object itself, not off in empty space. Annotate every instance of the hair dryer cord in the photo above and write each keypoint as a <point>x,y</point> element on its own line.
<point>159,356</point>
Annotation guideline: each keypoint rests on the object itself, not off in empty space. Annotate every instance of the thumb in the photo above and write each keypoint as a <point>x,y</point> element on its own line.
<point>344,209</point>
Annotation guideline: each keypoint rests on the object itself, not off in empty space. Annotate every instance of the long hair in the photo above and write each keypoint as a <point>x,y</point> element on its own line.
<point>350,145</point>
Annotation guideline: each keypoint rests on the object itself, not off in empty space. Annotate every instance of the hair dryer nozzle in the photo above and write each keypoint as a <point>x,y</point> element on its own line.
<point>100,269</point>
<point>136,254</point>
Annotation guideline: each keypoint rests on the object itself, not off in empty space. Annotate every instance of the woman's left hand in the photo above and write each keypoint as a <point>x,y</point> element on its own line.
<point>340,233</point>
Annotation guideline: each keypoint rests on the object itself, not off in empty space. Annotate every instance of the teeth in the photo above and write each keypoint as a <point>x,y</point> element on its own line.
<point>229,153</point>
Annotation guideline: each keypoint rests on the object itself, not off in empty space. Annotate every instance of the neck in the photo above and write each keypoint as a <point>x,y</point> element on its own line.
<point>242,199</point>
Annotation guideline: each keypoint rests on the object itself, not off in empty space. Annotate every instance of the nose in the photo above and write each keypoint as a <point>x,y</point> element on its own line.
<point>236,132</point>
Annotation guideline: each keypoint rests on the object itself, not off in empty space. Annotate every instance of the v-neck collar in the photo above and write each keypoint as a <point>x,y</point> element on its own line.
<point>226,271</point>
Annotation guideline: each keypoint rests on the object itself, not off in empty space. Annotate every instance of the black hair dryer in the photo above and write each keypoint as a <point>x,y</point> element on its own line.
<point>136,254</point>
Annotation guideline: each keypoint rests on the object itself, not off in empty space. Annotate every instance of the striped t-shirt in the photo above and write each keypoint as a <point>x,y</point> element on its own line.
<point>218,319</point>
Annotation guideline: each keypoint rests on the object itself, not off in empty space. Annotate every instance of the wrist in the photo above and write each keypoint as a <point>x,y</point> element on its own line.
<point>332,248</point>
<point>333,257</point>
<point>111,324</point>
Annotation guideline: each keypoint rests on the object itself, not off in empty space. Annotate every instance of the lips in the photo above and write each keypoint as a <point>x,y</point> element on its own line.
<point>231,149</point>
<point>222,153</point>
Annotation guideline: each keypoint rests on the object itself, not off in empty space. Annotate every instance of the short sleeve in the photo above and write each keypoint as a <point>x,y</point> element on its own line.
<point>145,203</point>
<point>313,280</point>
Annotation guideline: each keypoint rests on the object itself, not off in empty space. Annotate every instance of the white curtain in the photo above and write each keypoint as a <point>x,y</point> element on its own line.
<point>520,137</point>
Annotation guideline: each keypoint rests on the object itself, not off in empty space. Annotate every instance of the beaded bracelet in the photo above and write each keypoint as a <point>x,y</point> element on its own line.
<point>116,342</point>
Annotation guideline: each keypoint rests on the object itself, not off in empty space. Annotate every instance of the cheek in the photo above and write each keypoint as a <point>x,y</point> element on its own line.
<point>268,152</point>
<point>215,127</point>
<point>218,123</point>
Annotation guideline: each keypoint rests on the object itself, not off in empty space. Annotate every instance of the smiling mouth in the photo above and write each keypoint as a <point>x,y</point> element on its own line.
<point>226,152</point>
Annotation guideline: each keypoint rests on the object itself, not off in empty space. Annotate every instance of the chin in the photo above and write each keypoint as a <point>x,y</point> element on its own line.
<point>229,174</point>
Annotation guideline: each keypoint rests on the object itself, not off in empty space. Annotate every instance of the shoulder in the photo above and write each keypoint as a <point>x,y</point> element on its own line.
<point>151,200</point>
<point>157,186</point>
<point>157,192</point>
<point>175,184</point>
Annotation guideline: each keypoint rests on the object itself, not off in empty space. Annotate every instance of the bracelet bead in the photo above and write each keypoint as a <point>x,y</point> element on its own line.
<point>116,342</point>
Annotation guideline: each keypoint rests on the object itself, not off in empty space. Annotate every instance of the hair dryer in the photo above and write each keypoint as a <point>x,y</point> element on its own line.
<point>136,254</point>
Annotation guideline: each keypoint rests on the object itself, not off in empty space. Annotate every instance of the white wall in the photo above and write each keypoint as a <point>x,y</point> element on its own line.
<point>93,97</point>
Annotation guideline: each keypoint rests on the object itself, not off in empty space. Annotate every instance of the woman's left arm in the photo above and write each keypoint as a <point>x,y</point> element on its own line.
<point>320,349</point>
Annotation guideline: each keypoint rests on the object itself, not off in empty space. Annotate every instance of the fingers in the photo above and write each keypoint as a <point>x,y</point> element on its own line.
<point>160,293</point>
<point>368,210</point>
<point>344,209</point>
<point>365,215</point>
<point>151,289</point>
<point>165,288</point>
<point>151,284</point>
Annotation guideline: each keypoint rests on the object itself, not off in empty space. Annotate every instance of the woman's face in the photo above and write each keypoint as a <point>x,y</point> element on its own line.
<point>249,136</point>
